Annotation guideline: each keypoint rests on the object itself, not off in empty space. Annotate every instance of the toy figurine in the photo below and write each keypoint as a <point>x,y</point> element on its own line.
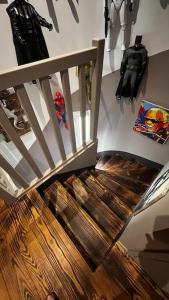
<point>133,66</point>
<point>60,109</point>
<point>118,9</point>
<point>28,38</point>
<point>88,69</point>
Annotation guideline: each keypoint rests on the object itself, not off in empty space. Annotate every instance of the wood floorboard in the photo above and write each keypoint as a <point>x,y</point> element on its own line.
<point>4,295</point>
<point>92,238</point>
<point>15,276</point>
<point>110,198</point>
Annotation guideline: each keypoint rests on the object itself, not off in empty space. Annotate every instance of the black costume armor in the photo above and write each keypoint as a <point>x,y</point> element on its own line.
<point>27,33</point>
<point>132,69</point>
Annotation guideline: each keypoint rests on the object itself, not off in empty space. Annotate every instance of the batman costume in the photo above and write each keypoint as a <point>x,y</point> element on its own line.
<point>28,38</point>
<point>132,69</point>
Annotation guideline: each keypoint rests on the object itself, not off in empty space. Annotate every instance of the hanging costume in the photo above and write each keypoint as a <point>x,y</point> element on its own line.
<point>132,69</point>
<point>28,38</point>
<point>118,8</point>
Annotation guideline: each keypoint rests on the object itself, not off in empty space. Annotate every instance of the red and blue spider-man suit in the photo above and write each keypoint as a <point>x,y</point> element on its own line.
<point>60,109</point>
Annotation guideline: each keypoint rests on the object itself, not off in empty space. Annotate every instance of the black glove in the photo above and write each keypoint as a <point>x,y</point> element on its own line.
<point>50,27</point>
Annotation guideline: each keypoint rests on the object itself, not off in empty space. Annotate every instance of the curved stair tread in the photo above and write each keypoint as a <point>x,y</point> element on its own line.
<point>131,168</point>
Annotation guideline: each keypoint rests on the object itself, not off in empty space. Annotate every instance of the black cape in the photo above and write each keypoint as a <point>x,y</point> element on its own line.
<point>28,38</point>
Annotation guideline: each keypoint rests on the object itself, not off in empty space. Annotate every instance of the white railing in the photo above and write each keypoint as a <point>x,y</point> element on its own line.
<point>40,71</point>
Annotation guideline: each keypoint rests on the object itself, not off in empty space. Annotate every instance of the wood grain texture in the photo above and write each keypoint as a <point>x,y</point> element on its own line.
<point>92,238</point>
<point>37,256</point>
<point>118,264</point>
<point>110,198</point>
<point>131,168</point>
<point>98,210</point>
<point>132,184</point>
<point>131,197</point>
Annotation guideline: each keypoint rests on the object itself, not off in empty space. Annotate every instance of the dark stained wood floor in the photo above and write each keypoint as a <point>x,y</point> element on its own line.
<point>74,252</point>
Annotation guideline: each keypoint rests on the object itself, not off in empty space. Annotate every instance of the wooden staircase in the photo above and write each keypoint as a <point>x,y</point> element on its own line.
<point>72,247</point>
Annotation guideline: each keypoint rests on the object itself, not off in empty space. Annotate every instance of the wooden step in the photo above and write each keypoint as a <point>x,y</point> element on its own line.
<point>130,168</point>
<point>120,266</point>
<point>130,197</point>
<point>98,210</point>
<point>105,163</point>
<point>102,161</point>
<point>132,184</point>
<point>95,242</point>
<point>113,201</point>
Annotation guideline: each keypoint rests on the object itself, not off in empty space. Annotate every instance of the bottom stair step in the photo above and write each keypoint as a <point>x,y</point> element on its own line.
<point>95,242</point>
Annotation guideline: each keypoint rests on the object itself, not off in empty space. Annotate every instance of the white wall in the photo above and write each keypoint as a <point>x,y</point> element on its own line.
<point>152,23</point>
<point>146,239</point>
<point>117,118</point>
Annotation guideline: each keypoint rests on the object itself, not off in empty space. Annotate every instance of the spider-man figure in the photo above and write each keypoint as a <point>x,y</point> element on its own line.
<point>60,109</point>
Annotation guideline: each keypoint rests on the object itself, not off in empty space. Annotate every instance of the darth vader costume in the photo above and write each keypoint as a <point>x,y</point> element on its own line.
<point>28,38</point>
<point>132,69</point>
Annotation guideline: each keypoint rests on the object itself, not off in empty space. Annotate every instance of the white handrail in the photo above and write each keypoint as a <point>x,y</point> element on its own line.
<point>16,77</point>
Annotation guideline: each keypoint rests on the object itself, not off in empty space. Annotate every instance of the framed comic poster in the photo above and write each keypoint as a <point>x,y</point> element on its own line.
<point>10,104</point>
<point>153,122</point>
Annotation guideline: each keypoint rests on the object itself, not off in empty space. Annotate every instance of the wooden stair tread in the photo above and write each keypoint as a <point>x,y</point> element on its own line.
<point>102,161</point>
<point>132,184</point>
<point>115,187</point>
<point>120,266</point>
<point>105,163</point>
<point>130,168</point>
<point>118,206</point>
<point>99,211</point>
<point>93,239</point>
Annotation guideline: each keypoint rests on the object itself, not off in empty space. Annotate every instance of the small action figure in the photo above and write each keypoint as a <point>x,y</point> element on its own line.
<point>88,69</point>
<point>118,9</point>
<point>60,109</point>
<point>133,66</point>
<point>28,38</point>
